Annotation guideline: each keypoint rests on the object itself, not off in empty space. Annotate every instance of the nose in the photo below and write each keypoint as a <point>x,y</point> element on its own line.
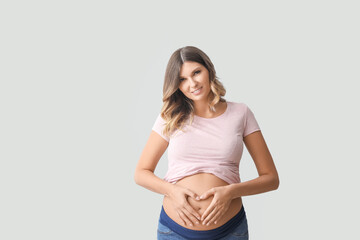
<point>193,83</point>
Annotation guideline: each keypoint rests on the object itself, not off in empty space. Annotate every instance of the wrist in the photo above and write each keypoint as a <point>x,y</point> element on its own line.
<point>231,189</point>
<point>169,189</point>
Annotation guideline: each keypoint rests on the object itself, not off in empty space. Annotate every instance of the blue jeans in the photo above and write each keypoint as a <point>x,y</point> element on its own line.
<point>239,233</point>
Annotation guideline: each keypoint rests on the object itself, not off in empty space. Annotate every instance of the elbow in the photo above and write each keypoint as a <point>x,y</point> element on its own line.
<point>137,177</point>
<point>276,182</point>
<point>140,176</point>
<point>272,181</point>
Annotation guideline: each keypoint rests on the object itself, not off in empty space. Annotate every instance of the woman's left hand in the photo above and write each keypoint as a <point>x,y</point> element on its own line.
<point>218,206</point>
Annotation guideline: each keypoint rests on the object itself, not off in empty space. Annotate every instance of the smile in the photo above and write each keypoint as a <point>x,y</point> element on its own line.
<point>197,91</point>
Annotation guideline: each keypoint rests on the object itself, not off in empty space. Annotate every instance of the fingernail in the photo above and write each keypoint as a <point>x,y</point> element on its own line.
<point>197,198</point>
<point>191,225</point>
<point>207,224</point>
<point>215,222</point>
<point>197,222</point>
<point>203,223</point>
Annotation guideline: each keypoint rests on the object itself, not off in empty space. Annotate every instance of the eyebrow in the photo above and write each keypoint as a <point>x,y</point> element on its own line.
<point>192,71</point>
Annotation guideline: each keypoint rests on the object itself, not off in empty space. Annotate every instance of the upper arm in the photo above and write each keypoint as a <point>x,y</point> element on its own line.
<point>256,145</point>
<point>152,152</point>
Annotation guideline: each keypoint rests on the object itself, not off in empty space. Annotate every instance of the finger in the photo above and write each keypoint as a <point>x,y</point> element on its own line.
<point>210,216</point>
<point>207,211</point>
<point>192,211</point>
<point>191,217</point>
<point>185,218</point>
<point>181,218</point>
<point>192,194</point>
<point>215,218</point>
<point>207,194</point>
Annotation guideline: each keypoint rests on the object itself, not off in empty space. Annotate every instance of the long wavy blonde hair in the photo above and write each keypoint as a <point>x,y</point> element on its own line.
<point>177,108</point>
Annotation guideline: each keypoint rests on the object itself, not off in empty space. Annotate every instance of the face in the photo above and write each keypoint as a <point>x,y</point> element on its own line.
<point>194,76</point>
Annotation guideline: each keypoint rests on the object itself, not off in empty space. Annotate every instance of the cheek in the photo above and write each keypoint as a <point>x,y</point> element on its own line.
<point>183,87</point>
<point>183,90</point>
<point>205,79</point>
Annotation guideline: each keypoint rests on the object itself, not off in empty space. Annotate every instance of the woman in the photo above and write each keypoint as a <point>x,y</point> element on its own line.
<point>205,135</point>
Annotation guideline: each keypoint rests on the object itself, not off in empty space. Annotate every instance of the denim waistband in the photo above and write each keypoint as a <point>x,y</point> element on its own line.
<point>215,233</point>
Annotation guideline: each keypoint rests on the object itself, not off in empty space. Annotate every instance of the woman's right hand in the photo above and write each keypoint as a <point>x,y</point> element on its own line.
<point>186,212</point>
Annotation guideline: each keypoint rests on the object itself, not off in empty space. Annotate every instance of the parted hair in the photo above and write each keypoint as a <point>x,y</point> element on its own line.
<point>177,108</point>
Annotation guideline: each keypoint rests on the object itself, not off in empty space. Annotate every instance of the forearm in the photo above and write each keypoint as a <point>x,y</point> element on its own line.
<point>149,180</point>
<point>261,184</point>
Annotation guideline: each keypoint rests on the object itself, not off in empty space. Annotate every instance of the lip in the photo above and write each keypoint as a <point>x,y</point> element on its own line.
<point>196,90</point>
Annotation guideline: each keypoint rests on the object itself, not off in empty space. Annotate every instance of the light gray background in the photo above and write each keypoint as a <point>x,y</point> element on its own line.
<point>81,86</point>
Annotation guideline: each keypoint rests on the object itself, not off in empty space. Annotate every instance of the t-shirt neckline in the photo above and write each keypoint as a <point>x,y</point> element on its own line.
<point>221,115</point>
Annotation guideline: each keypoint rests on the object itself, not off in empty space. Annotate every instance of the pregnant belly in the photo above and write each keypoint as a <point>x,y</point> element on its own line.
<point>200,183</point>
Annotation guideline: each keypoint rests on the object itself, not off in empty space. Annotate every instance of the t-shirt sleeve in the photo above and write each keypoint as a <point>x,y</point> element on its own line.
<point>159,126</point>
<point>250,123</point>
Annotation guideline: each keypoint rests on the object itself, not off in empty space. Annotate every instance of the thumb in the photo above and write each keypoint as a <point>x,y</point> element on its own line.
<point>192,194</point>
<point>207,194</point>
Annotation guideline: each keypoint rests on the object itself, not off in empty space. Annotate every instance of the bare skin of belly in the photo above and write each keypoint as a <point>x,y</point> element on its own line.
<point>200,183</point>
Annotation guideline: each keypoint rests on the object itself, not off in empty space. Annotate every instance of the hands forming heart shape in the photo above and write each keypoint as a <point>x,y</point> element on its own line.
<point>218,206</point>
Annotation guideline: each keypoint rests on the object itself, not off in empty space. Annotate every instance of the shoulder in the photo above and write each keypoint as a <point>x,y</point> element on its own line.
<point>160,118</point>
<point>238,106</point>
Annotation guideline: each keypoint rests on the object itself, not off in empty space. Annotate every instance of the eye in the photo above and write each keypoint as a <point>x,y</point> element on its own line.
<point>198,71</point>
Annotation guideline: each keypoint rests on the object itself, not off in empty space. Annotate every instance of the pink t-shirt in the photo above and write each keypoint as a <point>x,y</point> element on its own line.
<point>211,145</point>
